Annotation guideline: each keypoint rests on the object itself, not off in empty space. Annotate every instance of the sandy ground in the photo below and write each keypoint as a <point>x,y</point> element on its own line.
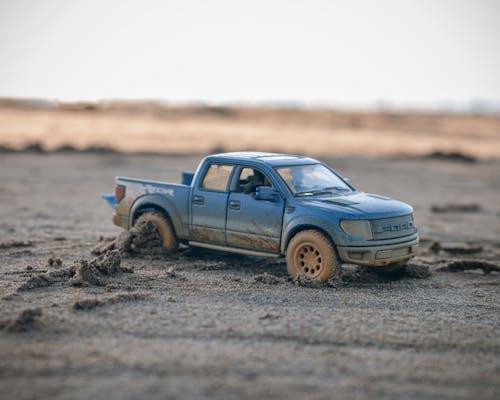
<point>211,326</point>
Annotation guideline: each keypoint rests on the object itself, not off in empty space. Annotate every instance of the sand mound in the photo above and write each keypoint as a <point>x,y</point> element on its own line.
<point>92,272</point>
<point>417,270</point>
<point>468,265</point>
<point>47,279</point>
<point>452,156</point>
<point>455,248</point>
<point>27,320</point>
<point>82,273</point>
<point>269,316</point>
<point>456,207</point>
<point>268,279</point>
<point>16,243</point>
<point>54,261</point>
<point>142,239</point>
<point>304,281</point>
<point>89,304</point>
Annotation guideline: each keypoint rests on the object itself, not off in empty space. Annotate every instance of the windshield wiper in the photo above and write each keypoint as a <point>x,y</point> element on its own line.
<point>337,188</point>
<point>327,190</point>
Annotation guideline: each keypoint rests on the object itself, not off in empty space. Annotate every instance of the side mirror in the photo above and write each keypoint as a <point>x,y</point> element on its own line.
<point>266,193</point>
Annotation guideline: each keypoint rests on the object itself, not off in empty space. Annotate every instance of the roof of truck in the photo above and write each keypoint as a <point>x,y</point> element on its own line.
<point>274,159</point>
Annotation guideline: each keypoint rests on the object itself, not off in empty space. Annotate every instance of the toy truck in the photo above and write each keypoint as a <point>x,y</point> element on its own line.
<point>273,205</point>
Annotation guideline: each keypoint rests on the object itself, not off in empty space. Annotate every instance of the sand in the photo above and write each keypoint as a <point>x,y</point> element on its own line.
<point>207,325</point>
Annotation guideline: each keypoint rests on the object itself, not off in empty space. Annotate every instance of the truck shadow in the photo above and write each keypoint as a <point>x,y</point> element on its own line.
<point>204,259</point>
<point>268,269</point>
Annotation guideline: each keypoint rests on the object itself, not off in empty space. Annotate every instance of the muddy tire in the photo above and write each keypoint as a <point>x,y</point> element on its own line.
<point>312,255</point>
<point>164,227</point>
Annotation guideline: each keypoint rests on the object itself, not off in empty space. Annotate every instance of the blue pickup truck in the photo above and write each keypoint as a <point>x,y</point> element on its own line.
<point>268,204</point>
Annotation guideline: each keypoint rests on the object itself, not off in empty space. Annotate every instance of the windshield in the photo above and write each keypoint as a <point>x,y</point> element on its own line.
<point>308,180</point>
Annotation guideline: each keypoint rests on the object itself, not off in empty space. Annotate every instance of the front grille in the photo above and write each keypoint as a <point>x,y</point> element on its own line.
<point>389,228</point>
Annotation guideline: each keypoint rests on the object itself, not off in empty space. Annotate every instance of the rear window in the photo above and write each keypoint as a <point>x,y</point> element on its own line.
<point>217,177</point>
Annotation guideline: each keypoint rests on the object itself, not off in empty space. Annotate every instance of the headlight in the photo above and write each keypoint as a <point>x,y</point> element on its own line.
<point>414,221</point>
<point>357,227</point>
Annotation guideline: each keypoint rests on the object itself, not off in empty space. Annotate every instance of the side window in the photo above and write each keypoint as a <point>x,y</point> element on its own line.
<point>216,177</point>
<point>250,179</point>
<point>244,175</point>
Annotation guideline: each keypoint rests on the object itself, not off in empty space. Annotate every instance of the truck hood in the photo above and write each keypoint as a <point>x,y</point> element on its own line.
<point>358,205</point>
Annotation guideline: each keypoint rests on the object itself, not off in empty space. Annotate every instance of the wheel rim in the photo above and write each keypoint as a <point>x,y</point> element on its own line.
<point>308,260</point>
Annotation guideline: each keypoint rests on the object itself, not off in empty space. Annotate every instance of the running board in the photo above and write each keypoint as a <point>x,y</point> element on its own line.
<point>234,250</point>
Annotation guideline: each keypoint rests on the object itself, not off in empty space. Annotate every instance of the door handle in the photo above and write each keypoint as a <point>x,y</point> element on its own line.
<point>234,205</point>
<point>198,200</point>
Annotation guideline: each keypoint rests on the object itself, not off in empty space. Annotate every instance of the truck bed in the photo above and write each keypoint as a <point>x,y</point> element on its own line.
<point>172,196</point>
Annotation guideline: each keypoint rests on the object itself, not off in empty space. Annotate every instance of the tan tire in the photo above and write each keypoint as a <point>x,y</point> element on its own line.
<point>165,228</point>
<point>311,254</point>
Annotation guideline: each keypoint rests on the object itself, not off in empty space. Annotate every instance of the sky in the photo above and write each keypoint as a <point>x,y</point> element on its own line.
<point>312,51</point>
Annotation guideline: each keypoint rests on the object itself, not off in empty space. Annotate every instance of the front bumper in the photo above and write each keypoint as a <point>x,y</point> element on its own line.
<point>379,255</point>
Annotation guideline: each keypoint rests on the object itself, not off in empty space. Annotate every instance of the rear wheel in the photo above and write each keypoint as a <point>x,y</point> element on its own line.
<point>311,254</point>
<point>164,227</point>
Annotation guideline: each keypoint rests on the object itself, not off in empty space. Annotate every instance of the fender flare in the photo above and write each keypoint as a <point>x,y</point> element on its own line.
<point>302,223</point>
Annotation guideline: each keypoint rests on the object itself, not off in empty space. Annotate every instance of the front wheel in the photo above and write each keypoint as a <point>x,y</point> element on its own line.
<point>311,254</point>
